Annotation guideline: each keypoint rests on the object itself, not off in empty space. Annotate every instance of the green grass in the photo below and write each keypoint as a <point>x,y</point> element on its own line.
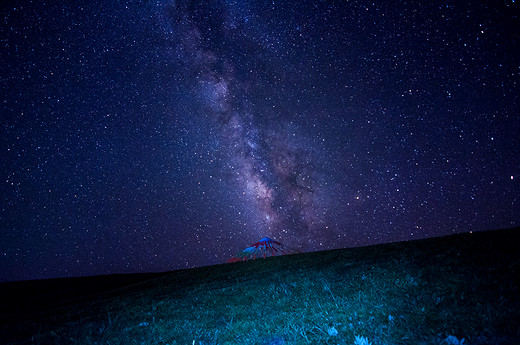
<point>420,292</point>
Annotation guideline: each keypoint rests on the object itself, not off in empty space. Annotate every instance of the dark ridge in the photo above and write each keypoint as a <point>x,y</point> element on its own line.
<point>33,296</point>
<point>486,255</point>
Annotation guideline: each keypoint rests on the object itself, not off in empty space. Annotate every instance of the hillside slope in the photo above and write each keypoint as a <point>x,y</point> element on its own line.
<point>432,291</point>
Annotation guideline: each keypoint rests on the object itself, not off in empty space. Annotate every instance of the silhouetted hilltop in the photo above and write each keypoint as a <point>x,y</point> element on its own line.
<point>459,286</point>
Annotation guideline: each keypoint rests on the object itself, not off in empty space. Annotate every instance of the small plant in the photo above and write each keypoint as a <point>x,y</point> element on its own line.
<point>452,340</point>
<point>332,331</point>
<point>360,340</point>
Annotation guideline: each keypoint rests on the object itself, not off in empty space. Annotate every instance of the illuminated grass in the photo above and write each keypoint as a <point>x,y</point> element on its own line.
<point>421,292</point>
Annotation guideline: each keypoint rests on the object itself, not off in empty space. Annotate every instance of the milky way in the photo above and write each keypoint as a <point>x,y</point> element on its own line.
<point>152,136</point>
<point>275,172</point>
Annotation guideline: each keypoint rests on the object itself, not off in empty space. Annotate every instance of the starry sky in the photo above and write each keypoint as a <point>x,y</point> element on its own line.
<point>145,136</point>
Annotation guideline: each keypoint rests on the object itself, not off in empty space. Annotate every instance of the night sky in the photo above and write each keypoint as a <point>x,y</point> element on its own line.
<point>157,135</point>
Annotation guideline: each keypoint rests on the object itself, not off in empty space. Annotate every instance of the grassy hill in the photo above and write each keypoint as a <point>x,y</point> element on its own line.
<point>460,289</point>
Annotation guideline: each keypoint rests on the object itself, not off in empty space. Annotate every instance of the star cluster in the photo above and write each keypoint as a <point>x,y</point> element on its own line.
<point>152,136</point>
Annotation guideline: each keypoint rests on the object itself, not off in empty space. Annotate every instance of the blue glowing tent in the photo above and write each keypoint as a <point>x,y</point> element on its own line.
<point>264,248</point>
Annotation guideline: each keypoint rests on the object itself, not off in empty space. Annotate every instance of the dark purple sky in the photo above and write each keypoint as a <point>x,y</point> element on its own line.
<point>143,136</point>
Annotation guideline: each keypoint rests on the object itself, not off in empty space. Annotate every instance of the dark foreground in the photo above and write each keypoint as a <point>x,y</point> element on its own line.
<point>461,289</point>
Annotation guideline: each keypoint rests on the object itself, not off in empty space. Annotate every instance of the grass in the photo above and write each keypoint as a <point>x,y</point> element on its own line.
<point>459,289</point>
